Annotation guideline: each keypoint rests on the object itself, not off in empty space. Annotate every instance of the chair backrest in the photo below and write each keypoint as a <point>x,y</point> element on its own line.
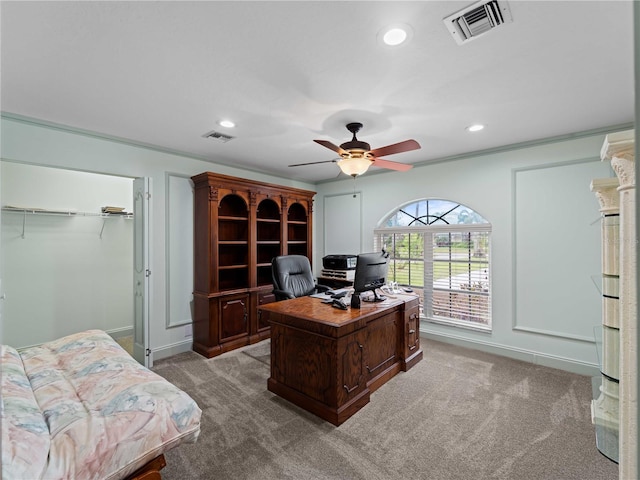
<point>292,274</point>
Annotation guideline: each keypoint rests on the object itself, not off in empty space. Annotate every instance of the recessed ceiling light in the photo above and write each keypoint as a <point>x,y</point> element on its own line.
<point>475,128</point>
<point>226,123</point>
<point>395,35</point>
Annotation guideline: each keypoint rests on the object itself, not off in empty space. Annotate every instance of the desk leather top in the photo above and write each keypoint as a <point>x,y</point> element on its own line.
<point>312,314</point>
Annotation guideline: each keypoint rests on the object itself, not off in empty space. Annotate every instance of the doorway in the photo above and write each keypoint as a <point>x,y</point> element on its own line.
<point>66,263</point>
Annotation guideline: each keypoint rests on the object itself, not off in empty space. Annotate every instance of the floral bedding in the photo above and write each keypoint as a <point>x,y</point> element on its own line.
<point>81,407</point>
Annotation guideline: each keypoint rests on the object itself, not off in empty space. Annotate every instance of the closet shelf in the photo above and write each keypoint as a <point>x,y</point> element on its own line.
<point>62,213</point>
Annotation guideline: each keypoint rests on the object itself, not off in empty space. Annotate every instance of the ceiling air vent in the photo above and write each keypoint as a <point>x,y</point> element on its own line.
<point>218,136</point>
<point>477,19</point>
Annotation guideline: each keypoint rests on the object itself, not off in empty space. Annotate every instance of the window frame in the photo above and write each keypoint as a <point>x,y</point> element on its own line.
<point>428,233</point>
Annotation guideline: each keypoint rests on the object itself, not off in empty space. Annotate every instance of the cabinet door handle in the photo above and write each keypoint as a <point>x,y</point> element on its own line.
<point>349,390</point>
<point>411,331</point>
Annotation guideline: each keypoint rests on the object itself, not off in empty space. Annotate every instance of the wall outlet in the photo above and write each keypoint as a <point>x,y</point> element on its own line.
<point>188,330</point>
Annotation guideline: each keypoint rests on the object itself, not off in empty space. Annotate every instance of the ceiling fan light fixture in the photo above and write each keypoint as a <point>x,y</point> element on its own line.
<point>356,157</point>
<point>354,166</point>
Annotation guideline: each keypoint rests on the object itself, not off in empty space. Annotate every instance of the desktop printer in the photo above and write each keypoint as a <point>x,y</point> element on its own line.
<point>339,262</point>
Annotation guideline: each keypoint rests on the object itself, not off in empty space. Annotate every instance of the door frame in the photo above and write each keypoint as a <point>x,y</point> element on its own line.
<point>142,270</point>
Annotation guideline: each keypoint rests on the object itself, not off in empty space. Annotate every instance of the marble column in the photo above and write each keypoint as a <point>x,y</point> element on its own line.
<point>605,409</point>
<point>618,148</point>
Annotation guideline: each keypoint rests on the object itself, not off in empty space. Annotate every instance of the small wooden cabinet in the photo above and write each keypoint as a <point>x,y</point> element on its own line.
<point>239,226</point>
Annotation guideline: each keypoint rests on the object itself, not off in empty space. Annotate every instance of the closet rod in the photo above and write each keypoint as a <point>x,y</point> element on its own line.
<point>62,213</point>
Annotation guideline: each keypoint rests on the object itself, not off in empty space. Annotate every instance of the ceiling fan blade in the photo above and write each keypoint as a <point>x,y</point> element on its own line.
<point>312,163</point>
<point>405,146</point>
<point>401,167</point>
<point>331,146</point>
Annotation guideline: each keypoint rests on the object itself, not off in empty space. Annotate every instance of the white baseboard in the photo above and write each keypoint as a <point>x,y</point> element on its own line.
<point>546,360</point>
<point>537,358</point>
<point>172,349</point>
<point>121,332</point>
<point>160,352</point>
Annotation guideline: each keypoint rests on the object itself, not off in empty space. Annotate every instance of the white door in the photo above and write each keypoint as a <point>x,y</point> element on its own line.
<point>142,272</point>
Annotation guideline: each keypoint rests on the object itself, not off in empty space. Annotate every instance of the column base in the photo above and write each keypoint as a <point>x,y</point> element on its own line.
<point>605,417</point>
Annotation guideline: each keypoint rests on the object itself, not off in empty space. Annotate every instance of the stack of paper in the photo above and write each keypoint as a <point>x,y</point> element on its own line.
<point>114,210</point>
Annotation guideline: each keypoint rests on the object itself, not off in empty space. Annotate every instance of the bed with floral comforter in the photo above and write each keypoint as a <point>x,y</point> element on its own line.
<point>81,407</point>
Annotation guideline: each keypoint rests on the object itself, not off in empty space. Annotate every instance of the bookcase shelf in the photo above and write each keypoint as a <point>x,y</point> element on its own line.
<point>233,267</point>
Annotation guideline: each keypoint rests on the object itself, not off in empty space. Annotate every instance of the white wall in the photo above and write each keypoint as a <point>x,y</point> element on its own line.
<point>485,183</point>
<point>548,181</point>
<point>63,274</point>
<point>36,143</point>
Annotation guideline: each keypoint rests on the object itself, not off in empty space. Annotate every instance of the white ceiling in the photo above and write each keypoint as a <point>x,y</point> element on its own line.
<point>163,73</point>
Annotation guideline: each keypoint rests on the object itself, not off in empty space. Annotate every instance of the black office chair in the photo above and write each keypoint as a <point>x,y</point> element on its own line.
<point>292,277</point>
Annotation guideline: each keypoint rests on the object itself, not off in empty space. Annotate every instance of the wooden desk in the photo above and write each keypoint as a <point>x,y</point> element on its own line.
<point>328,361</point>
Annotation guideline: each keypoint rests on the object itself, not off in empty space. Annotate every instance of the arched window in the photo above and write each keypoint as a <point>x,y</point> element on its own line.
<point>441,249</point>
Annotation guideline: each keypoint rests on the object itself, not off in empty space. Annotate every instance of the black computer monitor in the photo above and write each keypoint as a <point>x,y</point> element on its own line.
<point>371,273</point>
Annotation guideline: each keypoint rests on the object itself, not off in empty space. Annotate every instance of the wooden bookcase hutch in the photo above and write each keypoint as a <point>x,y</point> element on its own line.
<point>239,226</point>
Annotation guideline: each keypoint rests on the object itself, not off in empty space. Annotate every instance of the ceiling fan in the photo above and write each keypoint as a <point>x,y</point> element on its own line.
<point>357,156</point>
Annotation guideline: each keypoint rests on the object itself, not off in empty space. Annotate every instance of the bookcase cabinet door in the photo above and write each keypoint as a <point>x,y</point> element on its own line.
<point>233,314</point>
<point>264,297</point>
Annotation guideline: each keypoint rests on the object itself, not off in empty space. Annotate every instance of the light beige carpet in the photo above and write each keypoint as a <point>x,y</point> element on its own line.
<point>126,343</point>
<point>458,414</point>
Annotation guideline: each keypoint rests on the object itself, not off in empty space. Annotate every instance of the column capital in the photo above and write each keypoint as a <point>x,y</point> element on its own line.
<point>625,168</point>
<point>606,190</point>
<point>619,149</point>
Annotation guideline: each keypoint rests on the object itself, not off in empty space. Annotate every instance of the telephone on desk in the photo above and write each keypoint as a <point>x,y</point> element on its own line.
<point>339,303</point>
<point>336,298</point>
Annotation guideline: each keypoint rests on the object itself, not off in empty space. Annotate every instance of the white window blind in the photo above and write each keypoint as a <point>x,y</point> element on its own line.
<point>459,277</point>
